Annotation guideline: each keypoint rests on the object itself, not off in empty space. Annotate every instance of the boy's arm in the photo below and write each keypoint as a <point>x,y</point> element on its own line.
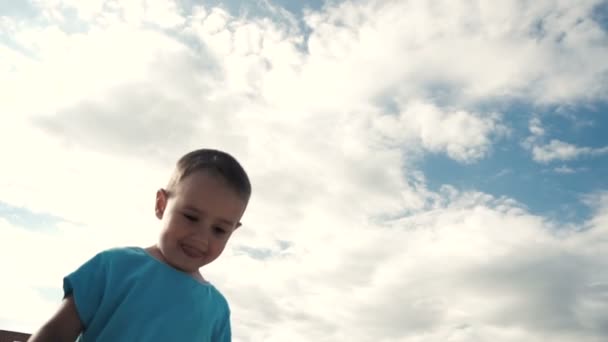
<point>63,326</point>
<point>223,332</point>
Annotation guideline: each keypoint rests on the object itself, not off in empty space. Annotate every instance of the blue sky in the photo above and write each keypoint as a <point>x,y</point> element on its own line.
<point>423,171</point>
<point>554,189</point>
<point>21,216</point>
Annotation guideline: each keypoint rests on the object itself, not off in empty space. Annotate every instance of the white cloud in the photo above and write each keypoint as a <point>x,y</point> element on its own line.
<point>479,263</point>
<point>564,169</point>
<point>598,201</point>
<point>165,13</point>
<point>34,262</point>
<point>556,149</point>
<point>461,135</point>
<point>54,9</point>
<point>535,127</point>
<point>427,40</point>
<point>559,150</point>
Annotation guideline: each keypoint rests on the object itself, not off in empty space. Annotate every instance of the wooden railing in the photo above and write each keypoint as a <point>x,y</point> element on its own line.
<point>12,336</point>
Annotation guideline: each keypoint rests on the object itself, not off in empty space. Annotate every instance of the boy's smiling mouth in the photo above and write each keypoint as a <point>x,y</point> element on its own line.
<point>191,251</point>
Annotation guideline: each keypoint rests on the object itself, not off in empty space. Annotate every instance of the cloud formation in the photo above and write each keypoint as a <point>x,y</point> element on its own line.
<point>461,135</point>
<point>559,150</point>
<point>567,170</point>
<point>555,149</point>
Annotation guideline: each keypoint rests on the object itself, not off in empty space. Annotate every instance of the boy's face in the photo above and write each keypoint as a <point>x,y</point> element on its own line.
<point>198,217</point>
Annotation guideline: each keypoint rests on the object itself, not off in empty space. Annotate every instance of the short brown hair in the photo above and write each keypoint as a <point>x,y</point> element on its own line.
<point>216,162</point>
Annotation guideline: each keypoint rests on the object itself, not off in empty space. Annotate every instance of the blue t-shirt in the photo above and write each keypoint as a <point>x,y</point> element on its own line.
<point>125,294</point>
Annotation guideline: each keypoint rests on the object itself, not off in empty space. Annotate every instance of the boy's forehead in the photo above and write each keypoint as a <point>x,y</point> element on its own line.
<point>203,183</point>
<point>210,194</point>
<point>202,180</point>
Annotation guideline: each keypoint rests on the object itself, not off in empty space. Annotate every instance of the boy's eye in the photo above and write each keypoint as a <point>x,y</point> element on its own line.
<point>219,230</point>
<point>191,218</point>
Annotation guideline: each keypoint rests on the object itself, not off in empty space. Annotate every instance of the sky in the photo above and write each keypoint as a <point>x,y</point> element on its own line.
<point>421,170</point>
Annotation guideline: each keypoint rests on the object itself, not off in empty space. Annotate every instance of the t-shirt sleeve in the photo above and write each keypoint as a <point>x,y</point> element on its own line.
<point>223,333</point>
<point>86,285</point>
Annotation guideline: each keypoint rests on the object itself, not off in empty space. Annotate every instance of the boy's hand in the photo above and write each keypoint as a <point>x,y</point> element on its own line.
<point>65,325</point>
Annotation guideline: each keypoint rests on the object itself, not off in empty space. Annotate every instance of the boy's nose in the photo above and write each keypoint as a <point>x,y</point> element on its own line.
<point>201,238</point>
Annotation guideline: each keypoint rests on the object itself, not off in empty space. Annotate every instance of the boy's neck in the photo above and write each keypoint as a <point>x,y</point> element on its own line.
<point>155,252</point>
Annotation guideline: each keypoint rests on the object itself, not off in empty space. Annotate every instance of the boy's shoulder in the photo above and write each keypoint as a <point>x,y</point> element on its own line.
<point>115,253</point>
<point>122,251</point>
<point>219,295</point>
<point>130,257</point>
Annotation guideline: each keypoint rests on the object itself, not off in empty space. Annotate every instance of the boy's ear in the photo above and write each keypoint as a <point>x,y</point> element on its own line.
<point>161,203</point>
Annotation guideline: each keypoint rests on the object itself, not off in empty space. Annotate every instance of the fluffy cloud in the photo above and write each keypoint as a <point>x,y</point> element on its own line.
<point>559,150</point>
<point>555,149</point>
<point>463,136</point>
<point>479,269</point>
<point>464,51</point>
<point>564,169</point>
<point>535,127</point>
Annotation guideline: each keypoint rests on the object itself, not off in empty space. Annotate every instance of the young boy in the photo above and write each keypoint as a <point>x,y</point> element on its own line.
<point>158,293</point>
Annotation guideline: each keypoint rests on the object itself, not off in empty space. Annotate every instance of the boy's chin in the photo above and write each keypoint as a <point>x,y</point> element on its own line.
<point>187,264</point>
